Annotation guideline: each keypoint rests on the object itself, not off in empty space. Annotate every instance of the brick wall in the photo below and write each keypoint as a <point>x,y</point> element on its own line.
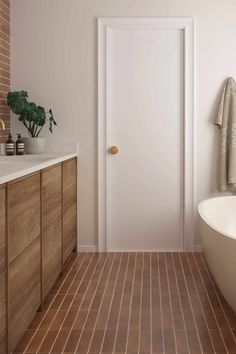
<point>4,64</point>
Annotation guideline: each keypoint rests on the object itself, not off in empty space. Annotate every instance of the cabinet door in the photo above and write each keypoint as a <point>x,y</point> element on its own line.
<point>23,291</point>
<point>24,213</point>
<point>2,228</point>
<point>3,312</point>
<point>69,179</point>
<point>51,226</point>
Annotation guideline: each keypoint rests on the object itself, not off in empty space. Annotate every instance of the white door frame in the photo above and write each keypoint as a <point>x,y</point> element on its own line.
<point>105,25</point>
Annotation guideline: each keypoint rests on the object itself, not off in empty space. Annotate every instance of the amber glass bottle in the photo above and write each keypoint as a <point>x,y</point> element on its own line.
<point>10,145</point>
<point>20,145</point>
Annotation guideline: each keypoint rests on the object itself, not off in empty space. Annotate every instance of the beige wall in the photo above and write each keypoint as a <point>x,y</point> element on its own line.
<point>54,57</point>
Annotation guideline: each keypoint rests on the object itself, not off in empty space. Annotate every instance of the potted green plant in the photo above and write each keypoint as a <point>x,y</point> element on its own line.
<point>33,117</point>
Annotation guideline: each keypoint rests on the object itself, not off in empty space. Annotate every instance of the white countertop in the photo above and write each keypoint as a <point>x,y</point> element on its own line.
<point>12,167</point>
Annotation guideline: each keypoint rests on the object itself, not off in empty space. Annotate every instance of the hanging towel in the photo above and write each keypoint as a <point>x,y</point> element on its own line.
<point>226,121</point>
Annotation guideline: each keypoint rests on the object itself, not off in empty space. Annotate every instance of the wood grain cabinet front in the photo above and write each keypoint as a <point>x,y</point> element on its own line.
<point>2,269</point>
<point>24,253</point>
<point>69,209</point>
<point>23,291</point>
<point>3,349</point>
<point>2,228</point>
<point>38,232</point>
<point>51,227</point>
<point>23,214</point>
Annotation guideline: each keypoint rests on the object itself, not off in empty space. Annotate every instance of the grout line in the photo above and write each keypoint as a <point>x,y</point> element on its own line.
<point>131,301</point>
<point>2,18</point>
<point>5,13</point>
<point>140,314</point>
<point>95,324</point>
<point>189,298</point>
<point>5,34</point>
<point>83,258</point>
<point>145,309</point>
<point>136,285</point>
<point>195,285</point>
<point>5,6</point>
<point>181,307</point>
<point>95,291</point>
<point>6,71</point>
<point>171,307</point>
<point>76,292</point>
<point>4,55</point>
<point>122,296</point>
<point>8,85</point>
<point>5,48</point>
<point>150,280</point>
<point>8,20</point>
<point>161,309</point>
<point>131,295</point>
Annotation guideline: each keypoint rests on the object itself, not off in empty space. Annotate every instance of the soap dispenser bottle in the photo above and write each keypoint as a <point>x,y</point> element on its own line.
<point>10,145</point>
<point>20,145</point>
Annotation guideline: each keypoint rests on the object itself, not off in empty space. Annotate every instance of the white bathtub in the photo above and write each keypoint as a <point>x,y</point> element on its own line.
<point>218,236</point>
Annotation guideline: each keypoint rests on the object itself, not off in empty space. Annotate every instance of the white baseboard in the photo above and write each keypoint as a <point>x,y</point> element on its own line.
<point>92,248</point>
<point>87,248</point>
<point>145,250</point>
<point>198,248</point>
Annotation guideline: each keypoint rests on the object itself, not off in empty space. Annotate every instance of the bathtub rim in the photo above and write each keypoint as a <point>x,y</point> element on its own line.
<point>206,220</point>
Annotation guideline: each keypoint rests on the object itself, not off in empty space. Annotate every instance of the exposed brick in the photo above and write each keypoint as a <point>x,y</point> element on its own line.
<point>5,5</point>
<point>5,51</point>
<point>4,65</point>
<point>4,73</point>
<point>5,15</point>
<point>4,81</point>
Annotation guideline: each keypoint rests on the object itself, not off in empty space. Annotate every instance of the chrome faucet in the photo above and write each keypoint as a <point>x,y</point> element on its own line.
<point>2,124</point>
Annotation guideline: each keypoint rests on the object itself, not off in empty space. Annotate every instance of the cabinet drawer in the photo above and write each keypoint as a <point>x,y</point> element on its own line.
<point>3,312</point>
<point>2,228</point>
<point>69,178</point>
<point>23,291</point>
<point>52,227</point>
<point>24,213</point>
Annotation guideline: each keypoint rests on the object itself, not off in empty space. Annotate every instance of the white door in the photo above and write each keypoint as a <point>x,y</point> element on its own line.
<point>145,122</point>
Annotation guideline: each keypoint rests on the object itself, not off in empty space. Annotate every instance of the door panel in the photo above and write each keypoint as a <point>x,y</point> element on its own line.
<point>23,291</point>
<point>52,227</point>
<point>24,213</point>
<point>145,121</point>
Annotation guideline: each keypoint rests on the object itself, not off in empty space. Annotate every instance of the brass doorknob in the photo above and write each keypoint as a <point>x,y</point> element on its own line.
<point>113,150</point>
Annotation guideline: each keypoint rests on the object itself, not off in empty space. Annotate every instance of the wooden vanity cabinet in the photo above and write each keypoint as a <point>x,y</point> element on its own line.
<point>51,227</point>
<point>2,269</point>
<point>38,232</point>
<point>23,214</point>
<point>24,254</point>
<point>69,207</point>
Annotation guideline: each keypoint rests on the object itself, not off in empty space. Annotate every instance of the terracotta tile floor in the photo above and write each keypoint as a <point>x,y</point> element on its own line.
<point>133,303</point>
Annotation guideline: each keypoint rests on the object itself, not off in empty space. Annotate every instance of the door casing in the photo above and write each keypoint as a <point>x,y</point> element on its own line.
<point>187,25</point>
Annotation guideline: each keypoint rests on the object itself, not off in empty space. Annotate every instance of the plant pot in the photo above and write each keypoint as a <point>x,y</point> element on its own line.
<point>34,145</point>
